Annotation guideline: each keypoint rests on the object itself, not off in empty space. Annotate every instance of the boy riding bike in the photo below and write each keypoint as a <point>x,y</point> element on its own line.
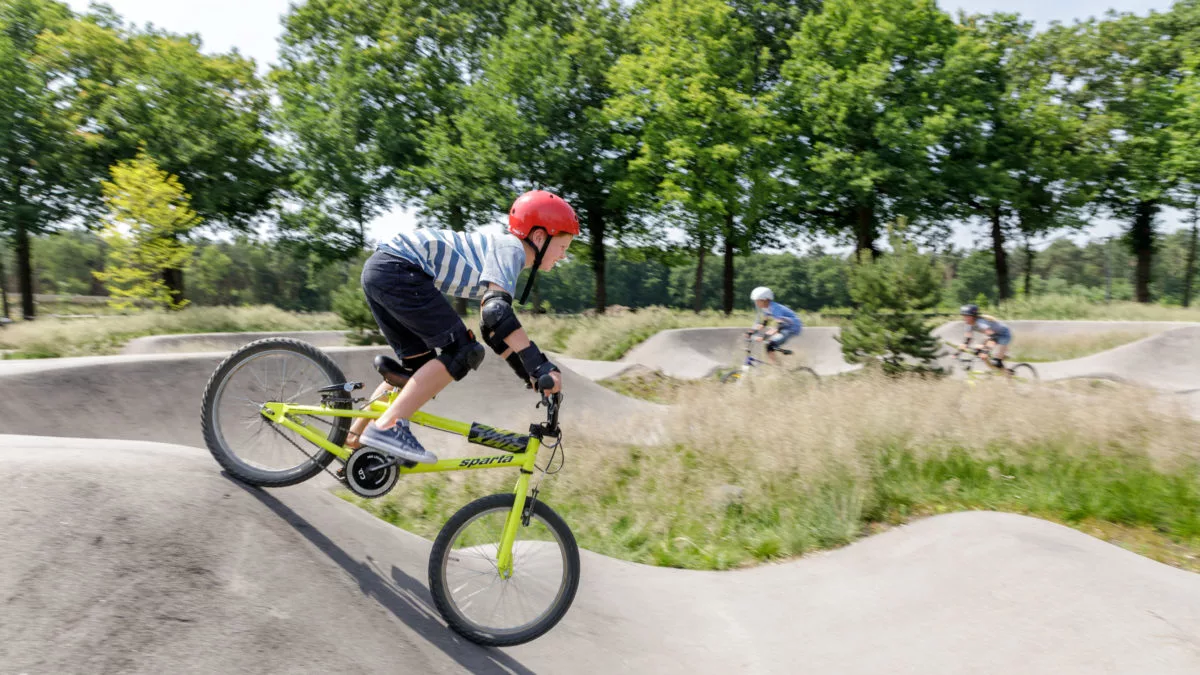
<point>404,281</point>
<point>998,335</point>
<point>789,325</point>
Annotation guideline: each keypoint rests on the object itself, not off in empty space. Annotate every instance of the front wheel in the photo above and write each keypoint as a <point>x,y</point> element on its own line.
<point>1024,371</point>
<point>481,604</point>
<point>732,376</point>
<point>806,376</point>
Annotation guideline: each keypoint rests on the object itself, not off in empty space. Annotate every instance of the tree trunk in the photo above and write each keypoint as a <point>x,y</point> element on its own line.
<point>173,278</point>
<point>698,287</point>
<point>595,223</point>
<point>24,265</point>
<point>1028,268</point>
<point>1003,287</point>
<point>1189,270</point>
<point>1141,239</point>
<point>727,272</point>
<point>864,230</point>
<point>3,285</point>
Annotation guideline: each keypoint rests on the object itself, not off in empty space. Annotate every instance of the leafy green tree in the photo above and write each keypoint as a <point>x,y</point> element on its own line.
<point>890,293</point>
<point>539,104</point>
<point>37,154</point>
<point>1010,150</point>
<point>210,277</point>
<point>65,261</point>
<point>1185,157</point>
<point>1125,75</point>
<point>202,117</point>
<point>701,130</point>
<point>865,111</point>
<point>149,218</point>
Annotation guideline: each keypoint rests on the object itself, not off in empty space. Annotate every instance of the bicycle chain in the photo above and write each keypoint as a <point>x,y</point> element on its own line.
<point>275,428</point>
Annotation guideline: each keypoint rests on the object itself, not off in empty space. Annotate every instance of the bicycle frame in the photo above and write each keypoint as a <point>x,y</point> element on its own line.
<point>522,451</point>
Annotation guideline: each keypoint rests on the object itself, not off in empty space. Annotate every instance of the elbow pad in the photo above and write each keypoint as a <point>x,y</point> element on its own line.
<point>497,320</point>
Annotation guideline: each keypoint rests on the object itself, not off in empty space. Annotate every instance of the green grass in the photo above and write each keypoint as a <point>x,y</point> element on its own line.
<point>48,338</point>
<point>741,478</point>
<point>1067,307</point>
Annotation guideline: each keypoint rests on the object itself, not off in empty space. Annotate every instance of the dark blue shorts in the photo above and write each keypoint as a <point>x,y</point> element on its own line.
<point>412,313</point>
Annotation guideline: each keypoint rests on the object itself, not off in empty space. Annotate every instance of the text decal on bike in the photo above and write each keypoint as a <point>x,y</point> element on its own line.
<point>507,441</point>
<point>486,461</point>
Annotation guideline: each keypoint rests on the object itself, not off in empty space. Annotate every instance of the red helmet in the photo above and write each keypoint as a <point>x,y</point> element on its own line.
<point>538,208</point>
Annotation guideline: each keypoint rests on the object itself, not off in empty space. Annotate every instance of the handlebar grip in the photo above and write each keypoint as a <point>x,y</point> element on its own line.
<point>545,382</point>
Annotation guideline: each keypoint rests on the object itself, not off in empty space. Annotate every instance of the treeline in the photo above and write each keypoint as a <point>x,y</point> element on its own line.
<point>738,124</point>
<point>245,271</point>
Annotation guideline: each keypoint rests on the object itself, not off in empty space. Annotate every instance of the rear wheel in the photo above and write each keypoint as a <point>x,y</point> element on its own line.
<point>249,446</point>
<point>481,604</point>
<point>732,376</point>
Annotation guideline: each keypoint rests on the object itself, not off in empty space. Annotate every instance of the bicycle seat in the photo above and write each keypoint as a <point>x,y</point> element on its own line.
<point>391,370</point>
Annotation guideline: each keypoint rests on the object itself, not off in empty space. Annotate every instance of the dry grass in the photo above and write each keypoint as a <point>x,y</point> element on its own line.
<point>744,475</point>
<point>608,337</point>
<point>106,335</point>
<point>1046,347</point>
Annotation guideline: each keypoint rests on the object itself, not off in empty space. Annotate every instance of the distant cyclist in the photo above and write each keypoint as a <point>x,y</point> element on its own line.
<point>996,335</point>
<point>787,323</point>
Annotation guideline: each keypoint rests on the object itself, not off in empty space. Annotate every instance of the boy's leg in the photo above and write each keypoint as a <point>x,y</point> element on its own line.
<point>774,344</point>
<point>410,304</point>
<point>379,273</point>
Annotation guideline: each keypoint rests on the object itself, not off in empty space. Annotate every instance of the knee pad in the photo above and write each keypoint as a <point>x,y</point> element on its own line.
<point>411,364</point>
<point>462,356</point>
<point>772,346</point>
<point>999,363</point>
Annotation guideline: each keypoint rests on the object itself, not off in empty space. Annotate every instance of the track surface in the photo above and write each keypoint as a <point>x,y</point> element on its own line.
<point>120,556</point>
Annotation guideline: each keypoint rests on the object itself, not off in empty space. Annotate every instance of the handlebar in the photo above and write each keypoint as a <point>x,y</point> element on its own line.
<point>552,403</point>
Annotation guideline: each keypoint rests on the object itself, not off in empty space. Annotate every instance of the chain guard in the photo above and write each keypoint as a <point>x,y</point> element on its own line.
<point>370,473</point>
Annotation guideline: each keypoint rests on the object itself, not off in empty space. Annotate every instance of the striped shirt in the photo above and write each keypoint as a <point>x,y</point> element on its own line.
<point>462,264</point>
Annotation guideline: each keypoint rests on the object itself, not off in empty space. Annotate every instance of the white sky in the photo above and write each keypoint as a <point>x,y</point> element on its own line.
<point>252,27</point>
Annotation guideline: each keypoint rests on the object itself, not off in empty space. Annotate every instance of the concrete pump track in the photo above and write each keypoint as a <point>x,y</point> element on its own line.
<point>126,550</point>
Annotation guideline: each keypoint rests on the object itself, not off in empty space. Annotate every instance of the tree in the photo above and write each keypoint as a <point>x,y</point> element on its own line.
<point>890,293</point>
<point>37,154</point>
<point>149,218</point>
<point>203,118</point>
<point>1011,151</point>
<point>1185,160</point>
<point>1125,73</point>
<point>700,130</point>
<point>865,113</point>
<point>539,103</point>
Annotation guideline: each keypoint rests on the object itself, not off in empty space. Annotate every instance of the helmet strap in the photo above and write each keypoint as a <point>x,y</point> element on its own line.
<point>539,253</point>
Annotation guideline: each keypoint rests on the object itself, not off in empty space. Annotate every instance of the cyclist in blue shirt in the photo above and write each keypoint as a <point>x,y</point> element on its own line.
<point>788,324</point>
<point>404,282</point>
<point>996,335</point>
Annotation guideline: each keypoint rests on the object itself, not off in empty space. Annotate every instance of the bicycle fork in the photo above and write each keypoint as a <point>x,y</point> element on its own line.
<point>504,558</point>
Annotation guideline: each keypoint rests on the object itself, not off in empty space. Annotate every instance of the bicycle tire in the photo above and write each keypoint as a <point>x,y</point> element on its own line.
<point>210,415</point>
<point>806,374</point>
<point>1024,371</point>
<point>449,608</point>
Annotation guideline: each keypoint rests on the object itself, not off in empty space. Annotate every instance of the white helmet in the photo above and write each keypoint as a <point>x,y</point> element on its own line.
<point>761,293</point>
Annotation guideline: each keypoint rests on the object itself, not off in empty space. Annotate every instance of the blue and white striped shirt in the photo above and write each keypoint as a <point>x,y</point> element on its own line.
<point>462,264</point>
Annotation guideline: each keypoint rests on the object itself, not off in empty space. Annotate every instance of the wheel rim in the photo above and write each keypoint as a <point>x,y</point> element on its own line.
<point>248,438</point>
<point>489,603</point>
